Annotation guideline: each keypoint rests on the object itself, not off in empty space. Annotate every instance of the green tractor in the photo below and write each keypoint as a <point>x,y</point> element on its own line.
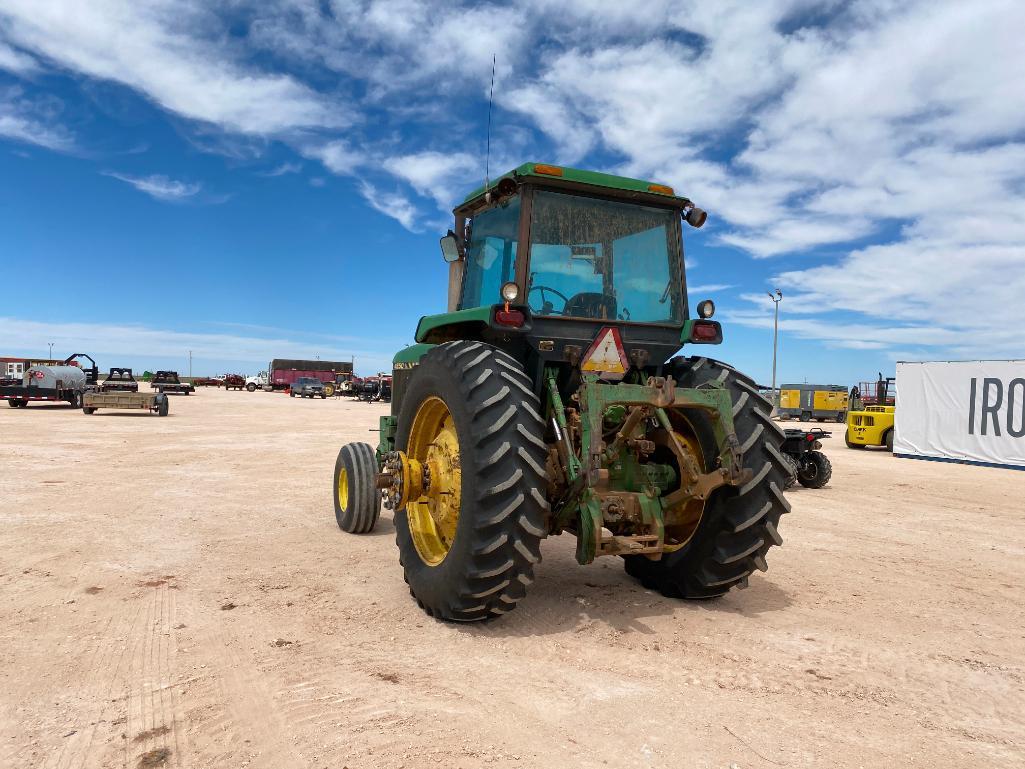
<point>548,399</point>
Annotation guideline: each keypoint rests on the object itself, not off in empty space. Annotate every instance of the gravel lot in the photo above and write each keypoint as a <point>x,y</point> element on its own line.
<point>174,592</point>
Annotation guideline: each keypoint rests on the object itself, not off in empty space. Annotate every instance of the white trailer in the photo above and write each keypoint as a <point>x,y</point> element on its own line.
<point>962,411</point>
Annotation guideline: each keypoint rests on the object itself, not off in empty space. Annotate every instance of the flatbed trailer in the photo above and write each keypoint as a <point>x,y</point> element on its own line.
<point>168,382</point>
<point>119,380</point>
<point>155,402</point>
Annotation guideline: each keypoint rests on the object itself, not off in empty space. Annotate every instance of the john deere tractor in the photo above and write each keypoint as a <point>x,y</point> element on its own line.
<point>550,399</point>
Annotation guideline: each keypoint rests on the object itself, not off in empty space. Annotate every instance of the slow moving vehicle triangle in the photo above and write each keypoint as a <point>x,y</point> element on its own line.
<point>606,355</point>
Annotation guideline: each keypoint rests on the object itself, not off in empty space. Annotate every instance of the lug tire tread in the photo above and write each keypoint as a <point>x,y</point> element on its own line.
<point>739,526</point>
<point>503,468</point>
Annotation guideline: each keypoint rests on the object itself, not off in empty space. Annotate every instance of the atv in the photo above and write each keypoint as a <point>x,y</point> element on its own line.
<point>811,468</point>
<point>550,398</point>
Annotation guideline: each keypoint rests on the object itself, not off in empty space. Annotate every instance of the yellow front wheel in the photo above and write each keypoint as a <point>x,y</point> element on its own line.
<point>357,500</point>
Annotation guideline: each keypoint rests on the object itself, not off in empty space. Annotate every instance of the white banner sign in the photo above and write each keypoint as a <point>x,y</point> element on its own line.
<point>962,410</point>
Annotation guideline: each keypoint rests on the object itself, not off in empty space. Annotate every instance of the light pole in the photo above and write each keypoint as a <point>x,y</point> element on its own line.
<point>776,299</point>
<point>50,355</point>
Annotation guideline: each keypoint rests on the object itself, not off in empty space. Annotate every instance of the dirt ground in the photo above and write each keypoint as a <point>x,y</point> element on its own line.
<point>175,592</point>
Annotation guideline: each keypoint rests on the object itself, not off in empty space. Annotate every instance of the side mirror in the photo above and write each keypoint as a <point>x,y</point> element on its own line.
<point>450,248</point>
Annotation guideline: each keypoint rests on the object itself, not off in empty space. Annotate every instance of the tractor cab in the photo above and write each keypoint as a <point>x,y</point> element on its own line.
<point>548,255</point>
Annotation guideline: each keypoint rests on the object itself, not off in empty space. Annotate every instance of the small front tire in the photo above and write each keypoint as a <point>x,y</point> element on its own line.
<point>357,498</point>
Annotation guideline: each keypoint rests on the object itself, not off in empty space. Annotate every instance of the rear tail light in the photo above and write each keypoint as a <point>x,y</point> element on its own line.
<point>512,318</point>
<point>705,331</point>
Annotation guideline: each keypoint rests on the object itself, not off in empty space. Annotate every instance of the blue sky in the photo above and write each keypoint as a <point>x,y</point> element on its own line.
<point>256,179</point>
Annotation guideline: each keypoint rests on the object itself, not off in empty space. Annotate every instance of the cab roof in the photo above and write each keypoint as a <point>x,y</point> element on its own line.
<point>548,172</point>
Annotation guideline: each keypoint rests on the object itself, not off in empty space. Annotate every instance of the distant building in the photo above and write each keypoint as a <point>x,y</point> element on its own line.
<point>15,368</point>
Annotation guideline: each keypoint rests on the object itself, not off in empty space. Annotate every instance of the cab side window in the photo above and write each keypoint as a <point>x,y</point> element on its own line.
<point>491,255</point>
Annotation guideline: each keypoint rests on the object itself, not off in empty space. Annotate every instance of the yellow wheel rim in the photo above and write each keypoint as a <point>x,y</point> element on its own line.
<point>343,489</point>
<point>434,516</point>
<point>682,520</point>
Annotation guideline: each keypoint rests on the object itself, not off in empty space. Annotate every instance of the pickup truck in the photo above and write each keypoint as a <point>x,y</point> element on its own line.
<point>307,387</point>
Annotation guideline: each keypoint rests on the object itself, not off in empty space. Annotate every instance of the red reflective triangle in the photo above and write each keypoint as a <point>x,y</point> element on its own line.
<point>606,354</point>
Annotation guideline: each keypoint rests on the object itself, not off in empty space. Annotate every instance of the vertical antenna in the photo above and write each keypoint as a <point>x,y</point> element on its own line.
<point>491,99</point>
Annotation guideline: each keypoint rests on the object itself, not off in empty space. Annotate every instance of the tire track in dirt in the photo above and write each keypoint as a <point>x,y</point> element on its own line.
<point>151,726</point>
<point>101,676</point>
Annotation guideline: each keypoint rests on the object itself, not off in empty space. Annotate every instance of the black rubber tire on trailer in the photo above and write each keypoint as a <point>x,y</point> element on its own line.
<point>502,454</point>
<point>14,404</point>
<point>88,410</point>
<point>739,525</point>
<point>889,441</point>
<point>805,416</point>
<point>847,440</point>
<point>76,401</point>
<point>818,471</point>
<point>363,504</point>
<point>841,417</point>
<point>162,406</point>
<point>291,394</point>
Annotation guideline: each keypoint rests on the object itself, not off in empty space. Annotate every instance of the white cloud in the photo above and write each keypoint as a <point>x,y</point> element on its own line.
<point>284,168</point>
<point>159,186</point>
<point>434,174</point>
<point>15,61</point>
<point>709,288</point>
<point>165,49</point>
<point>33,121</point>
<point>392,204</point>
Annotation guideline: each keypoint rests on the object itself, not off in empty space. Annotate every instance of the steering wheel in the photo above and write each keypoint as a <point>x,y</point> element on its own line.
<point>546,306</point>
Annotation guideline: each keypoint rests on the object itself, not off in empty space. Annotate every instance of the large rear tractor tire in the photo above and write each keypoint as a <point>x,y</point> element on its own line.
<point>738,525</point>
<point>816,470</point>
<point>468,545</point>
<point>357,498</point>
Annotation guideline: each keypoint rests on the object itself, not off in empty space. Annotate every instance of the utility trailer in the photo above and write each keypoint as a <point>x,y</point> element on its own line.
<point>168,382</point>
<point>155,402</point>
<point>67,382</point>
<point>119,380</point>
<point>234,382</point>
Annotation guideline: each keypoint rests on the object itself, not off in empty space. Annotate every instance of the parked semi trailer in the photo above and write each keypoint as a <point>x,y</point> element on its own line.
<point>67,382</point>
<point>283,372</point>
